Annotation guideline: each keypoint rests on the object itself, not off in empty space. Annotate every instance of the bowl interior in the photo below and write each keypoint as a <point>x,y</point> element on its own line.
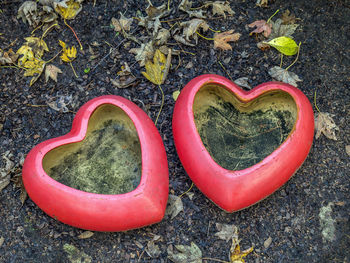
<point>240,134</point>
<point>106,161</point>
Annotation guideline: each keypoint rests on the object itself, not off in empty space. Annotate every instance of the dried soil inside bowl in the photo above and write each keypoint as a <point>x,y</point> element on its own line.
<point>240,134</point>
<point>107,161</point>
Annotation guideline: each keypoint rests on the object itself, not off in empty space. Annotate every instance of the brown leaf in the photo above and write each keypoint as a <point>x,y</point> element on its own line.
<point>221,39</point>
<point>51,71</point>
<point>226,232</point>
<point>279,30</point>
<point>189,31</point>
<point>220,7</point>
<point>261,27</point>
<point>8,57</point>
<point>152,249</point>
<point>325,124</point>
<point>174,206</point>
<point>86,234</point>
<point>288,18</point>
<point>262,3</point>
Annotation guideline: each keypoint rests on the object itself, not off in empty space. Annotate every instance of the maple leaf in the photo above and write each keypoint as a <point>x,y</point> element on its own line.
<point>189,31</point>
<point>122,23</point>
<point>324,124</point>
<point>28,12</point>
<point>143,53</point>
<point>38,46</point>
<point>278,29</point>
<point>283,75</point>
<point>8,57</point>
<point>236,255</point>
<point>288,18</point>
<point>68,9</point>
<point>186,254</point>
<point>69,54</point>
<point>51,71</point>
<point>186,6</point>
<point>221,39</point>
<point>261,27</point>
<point>220,7</point>
<point>33,68</point>
<point>27,53</point>
<point>226,232</point>
<point>155,71</point>
<point>174,206</point>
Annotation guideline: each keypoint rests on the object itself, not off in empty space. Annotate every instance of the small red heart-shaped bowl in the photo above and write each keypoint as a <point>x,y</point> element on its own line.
<point>238,146</point>
<point>143,205</point>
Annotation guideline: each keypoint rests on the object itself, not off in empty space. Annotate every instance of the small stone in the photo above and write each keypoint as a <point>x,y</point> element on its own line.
<point>2,240</point>
<point>347,147</point>
<point>267,242</point>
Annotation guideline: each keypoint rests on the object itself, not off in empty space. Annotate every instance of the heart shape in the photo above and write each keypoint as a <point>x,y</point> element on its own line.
<point>239,147</point>
<point>102,156</point>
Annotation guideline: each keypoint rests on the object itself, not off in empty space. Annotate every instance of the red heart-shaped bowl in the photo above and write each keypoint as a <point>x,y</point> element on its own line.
<point>240,146</point>
<point>106,118</point>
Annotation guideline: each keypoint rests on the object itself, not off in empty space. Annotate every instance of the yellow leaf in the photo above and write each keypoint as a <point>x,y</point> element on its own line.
<point>27,53</point>
<point>176,94</point>
<point>285,45</point>
<point>236,255</point>
<point>69,54</point>
<point>68,9</point>
<point>38,45</point>
<point>155,71</point>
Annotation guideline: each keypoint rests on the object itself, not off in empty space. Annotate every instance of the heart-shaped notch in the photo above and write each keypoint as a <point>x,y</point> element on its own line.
<point>110,171</point>
<point>239,147</point>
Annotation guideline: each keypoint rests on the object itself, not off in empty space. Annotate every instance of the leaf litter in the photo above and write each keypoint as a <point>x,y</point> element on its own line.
<point>324,124</point>
<point>174,206</point>
<point>284,75</point>
<point>185,254</point>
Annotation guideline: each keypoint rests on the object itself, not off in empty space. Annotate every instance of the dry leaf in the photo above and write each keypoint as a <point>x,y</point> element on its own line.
<point>263,46</point>
<point>186,254</point>
<point>262,3</point>
<point>243,82</point>
<point>6,170</point>
<point>189,31</point>
<point>122,24</point>
<point>325,124</point>
<point>8,57</point>
<point>75,255</point>
<point>152,249</point>
<point>261,27</point>
<point>162,37</point>
<point>186,6</point>
<point>28,11</point>
<point>226,232</point>
<point>18,183</point>
<point>86,234</point>
<point>221,39</point>
<point>61,103</point>
<point>143,53</point>
<point>288,18</point>
<point>220,7</point>
<point>347,149</point>
<point>279,30</point>
<point>68,9</point>
<point>125,77</point>
<point>236,255</point>
<point>51,71</point>
<point>283,75</point>
<point>174,206</point>
<point>155,71</point>
<point>157,12</point>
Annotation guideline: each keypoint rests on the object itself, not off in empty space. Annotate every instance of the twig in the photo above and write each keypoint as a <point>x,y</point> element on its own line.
<point>106,56</point>
<point>315,102</point>
<point>215,259</point>
<point>225,70</point>
<point>53,57</point>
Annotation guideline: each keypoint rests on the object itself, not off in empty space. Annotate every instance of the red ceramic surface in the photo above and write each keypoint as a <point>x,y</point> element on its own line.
<point>235,190</point>
<point>143,206</point>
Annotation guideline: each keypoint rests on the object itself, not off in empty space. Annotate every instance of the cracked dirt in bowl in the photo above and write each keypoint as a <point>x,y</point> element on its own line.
<point>238,135</point>
<point>107,161</point>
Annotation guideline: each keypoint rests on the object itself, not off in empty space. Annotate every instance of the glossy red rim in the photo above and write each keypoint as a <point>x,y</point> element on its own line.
<point>143,206</point>
<point>235,190</point>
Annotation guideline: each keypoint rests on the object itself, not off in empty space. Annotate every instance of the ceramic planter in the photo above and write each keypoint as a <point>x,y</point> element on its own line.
<point>110,170</point>
<point>238,147</point>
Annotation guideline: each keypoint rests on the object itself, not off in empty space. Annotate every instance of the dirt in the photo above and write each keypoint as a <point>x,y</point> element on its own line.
<point>307,219</point>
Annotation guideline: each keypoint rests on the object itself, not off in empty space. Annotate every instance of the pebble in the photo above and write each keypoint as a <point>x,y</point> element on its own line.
<point>267,242</point>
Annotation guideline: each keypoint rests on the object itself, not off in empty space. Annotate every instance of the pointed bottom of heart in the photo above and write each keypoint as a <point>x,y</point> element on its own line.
<point>244,145</point>
<point>108,174</point>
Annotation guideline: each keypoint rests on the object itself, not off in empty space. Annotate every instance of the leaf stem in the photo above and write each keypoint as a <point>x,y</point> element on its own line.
<point>65,22</point>
<point>206,38</point>
<point>225,70</point>
<point>189,189</point>
<point>75,74</point>
<point>295,60</point>
<point>281,60</point>
<point>268,20</point>
<point>35,29</point>
<point>215,31</point>
<point>43,35</point>
<point>316,103</point>
<point>53,57</point>
<point>161,106</point>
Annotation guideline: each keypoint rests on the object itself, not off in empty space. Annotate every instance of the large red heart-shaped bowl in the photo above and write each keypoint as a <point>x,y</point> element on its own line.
<point>101,122</point>
<point>238,147</point>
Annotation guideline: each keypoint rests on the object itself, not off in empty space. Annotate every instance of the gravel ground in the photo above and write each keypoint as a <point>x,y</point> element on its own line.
<point>306,220</point>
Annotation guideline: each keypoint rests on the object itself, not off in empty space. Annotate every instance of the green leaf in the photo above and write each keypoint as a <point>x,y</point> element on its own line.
<point>285,45</point>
